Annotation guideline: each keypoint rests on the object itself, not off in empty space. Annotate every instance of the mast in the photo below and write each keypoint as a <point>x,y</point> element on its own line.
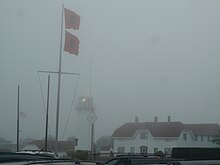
<point>59,72</point>
<point>91,108</point>
<point>90,83</point>
<point>59,80</point>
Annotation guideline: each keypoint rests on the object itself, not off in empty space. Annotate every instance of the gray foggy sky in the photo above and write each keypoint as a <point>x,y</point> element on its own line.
<point>149,58</point>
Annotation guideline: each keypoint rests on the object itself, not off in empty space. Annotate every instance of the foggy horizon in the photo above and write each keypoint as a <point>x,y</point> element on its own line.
<point>144,58</point>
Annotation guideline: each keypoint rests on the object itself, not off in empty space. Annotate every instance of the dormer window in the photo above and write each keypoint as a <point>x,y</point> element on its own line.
<point>143,135</point>
<point>196,137</point>
<point>184,136</point>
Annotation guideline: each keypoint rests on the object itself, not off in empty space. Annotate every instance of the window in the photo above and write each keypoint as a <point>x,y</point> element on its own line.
<point>201,138</point>
<point>184,136</point>
<point>143,149</point>
<point>208,138</point>
<point>196,137</point>
<point>143,135</point>
<point>132,150</point>
<point>155,149</point>
<point>121,150</point>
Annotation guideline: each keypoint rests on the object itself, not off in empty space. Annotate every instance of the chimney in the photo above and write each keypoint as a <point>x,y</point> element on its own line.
<point>169,119</point>
<point>155,119</point>
<point>136,120</point>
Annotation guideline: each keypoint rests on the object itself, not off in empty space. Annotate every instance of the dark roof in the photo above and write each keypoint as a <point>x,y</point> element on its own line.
<point>61,145</point>
<point>204,129</point>
<point>165,129</point>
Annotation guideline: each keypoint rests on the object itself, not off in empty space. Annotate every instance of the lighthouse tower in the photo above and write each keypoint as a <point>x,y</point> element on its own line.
<point>84,108</point>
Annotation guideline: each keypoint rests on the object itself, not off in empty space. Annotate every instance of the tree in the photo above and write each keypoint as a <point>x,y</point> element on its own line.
<point>104,141</point>
<point>216,139</point>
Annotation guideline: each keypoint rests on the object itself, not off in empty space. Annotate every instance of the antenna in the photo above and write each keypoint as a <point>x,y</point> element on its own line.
<point>90,83</point>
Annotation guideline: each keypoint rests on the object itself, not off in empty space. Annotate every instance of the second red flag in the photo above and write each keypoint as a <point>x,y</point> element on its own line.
<point>71,43</point>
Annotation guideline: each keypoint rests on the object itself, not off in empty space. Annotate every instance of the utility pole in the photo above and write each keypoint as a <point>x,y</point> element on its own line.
<point>92,118</point>
<point>18,113</point>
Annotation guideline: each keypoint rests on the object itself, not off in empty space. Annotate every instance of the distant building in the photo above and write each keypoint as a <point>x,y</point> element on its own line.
<point>150,137</point>
<point>85,112</point>
<point>8,147</point>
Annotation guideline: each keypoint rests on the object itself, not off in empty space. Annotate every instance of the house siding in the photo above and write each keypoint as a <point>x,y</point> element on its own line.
<point>151,143</point>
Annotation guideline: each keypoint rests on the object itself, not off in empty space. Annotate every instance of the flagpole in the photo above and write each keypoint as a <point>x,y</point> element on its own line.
<point>47,114</point>
<point>59,80</point>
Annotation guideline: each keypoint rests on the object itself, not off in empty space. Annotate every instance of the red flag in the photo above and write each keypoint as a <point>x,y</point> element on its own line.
<point>71,43</point>
<point>72,20</point>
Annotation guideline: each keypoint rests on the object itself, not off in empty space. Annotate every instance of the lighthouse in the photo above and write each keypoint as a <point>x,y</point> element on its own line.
<point>84,118</point>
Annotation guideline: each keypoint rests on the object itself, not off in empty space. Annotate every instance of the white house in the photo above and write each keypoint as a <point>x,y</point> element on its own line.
<point>150,137</point>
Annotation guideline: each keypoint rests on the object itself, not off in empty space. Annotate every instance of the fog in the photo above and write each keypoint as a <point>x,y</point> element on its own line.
<point>144,58</point>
